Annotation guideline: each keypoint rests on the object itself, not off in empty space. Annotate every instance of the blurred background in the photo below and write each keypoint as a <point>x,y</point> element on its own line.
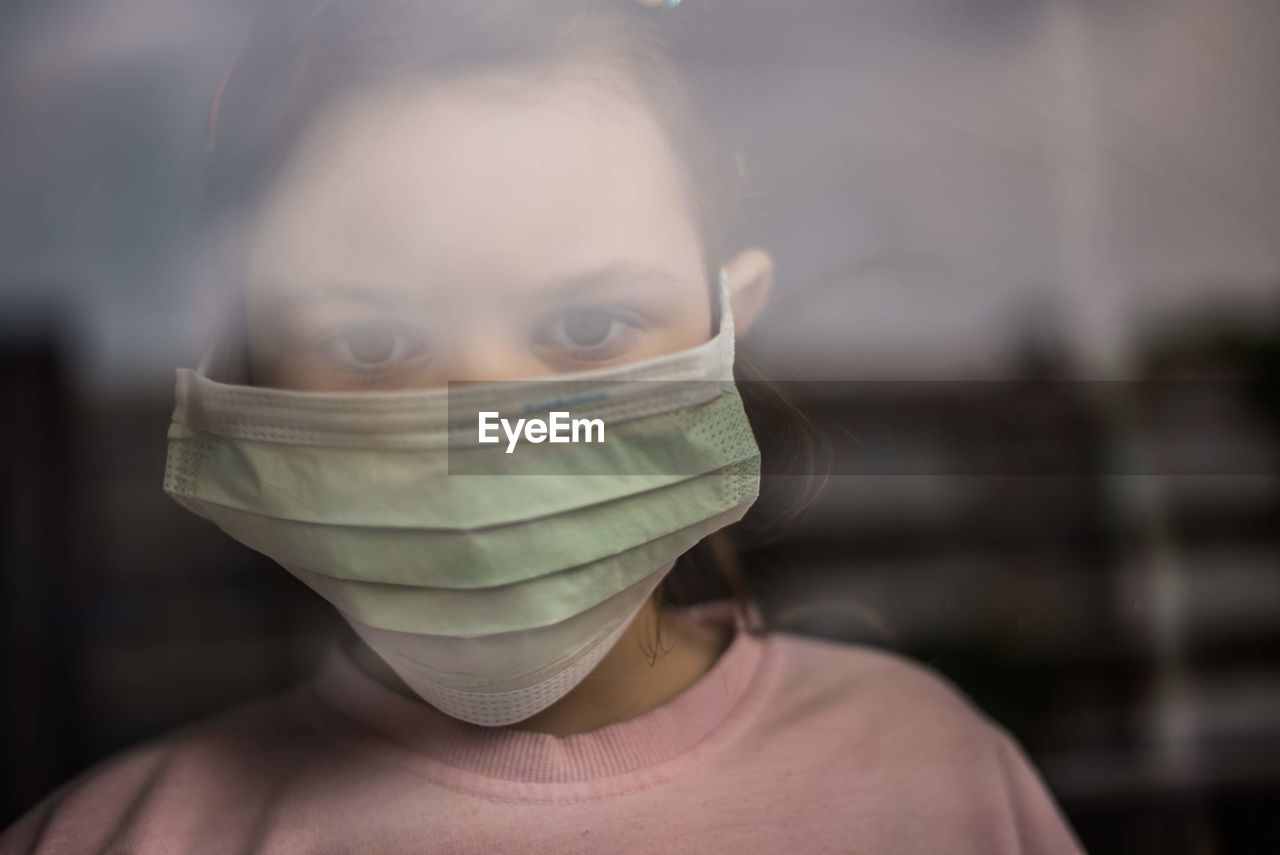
<point>966,200</point>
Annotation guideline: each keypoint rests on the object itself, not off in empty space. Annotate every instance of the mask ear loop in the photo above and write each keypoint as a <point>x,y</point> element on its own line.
<point>726,333</point>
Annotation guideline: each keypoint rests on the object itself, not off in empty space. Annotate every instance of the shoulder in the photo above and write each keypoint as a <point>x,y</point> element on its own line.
<point>858,713</point>
<point>872,686</point>
<point>903,751</point>
<point>163,788</point>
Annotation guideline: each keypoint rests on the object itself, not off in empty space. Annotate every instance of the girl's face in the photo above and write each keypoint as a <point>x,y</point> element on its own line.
<point>469,232</point>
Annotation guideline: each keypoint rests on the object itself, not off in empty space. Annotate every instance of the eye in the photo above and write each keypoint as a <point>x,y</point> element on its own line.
<point>373,347</point>
<point>586,335</point>
<point>587,328</point>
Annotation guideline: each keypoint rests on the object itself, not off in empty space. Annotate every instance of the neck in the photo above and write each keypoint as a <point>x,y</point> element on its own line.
<point>634,677</point>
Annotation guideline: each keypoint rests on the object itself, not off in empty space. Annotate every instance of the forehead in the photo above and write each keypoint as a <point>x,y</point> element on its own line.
<point>479,181</point>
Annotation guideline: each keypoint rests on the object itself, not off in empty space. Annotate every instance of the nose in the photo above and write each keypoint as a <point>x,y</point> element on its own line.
<point>481,357</point>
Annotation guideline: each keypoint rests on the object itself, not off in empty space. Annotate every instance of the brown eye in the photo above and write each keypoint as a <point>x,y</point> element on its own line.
<point>586,328</point>
<point>374,346</point>
<point>371,346</point>
<point>584,335</point>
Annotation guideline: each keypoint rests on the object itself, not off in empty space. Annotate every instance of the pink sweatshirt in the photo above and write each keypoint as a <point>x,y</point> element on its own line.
<point>787,745</point>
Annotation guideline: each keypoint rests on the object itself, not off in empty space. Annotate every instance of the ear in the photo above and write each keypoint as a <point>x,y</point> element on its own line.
<point>750,279</point>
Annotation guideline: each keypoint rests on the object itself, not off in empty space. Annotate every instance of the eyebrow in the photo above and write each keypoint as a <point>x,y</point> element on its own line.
<point>609,275</point>
<point>339,291</point>
<point>618,273</point>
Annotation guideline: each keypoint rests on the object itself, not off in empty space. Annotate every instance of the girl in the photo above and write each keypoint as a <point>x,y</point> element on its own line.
<point>408,195</point>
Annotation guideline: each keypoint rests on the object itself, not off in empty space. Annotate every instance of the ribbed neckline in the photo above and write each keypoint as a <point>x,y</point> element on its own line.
<point>509,754</point>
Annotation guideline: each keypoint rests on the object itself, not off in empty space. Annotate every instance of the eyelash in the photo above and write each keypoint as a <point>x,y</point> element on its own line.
<point>624,327</point>
<point>595,353</point>
<point>379,371</point>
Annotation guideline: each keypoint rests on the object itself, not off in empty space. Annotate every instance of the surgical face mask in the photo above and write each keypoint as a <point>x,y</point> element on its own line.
<point>491,581</point>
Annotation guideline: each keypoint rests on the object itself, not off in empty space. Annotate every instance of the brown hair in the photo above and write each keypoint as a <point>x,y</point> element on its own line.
<point>792,453</point>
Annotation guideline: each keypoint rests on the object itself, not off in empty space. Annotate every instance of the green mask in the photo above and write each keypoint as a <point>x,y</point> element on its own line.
<point>491,579</point>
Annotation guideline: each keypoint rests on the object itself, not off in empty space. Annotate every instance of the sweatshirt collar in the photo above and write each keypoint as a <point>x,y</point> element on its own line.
<point>522,756</point>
